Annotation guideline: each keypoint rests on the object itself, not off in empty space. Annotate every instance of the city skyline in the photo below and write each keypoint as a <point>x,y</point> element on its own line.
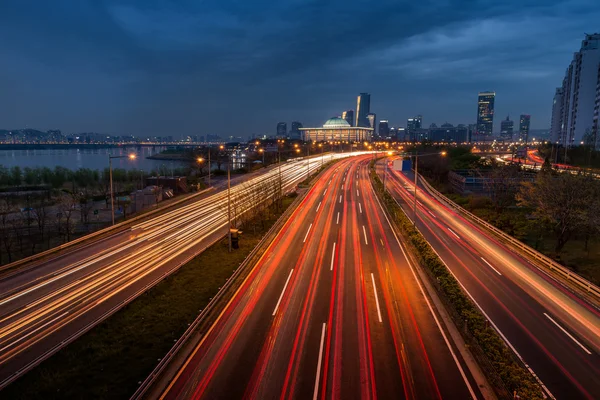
<point>142,69</point>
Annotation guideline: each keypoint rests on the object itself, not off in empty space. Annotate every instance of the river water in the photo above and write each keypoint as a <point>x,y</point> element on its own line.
<point>75,158</point>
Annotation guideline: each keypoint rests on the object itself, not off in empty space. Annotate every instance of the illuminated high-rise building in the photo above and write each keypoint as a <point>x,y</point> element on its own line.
<point>363,108</point>
<point>524,127</point>
<point>577,115</point>
<point>348,115</point>
<point>556,116</point>
<point>485,114</point>
<point>372,119</point>
<point>384,128</point>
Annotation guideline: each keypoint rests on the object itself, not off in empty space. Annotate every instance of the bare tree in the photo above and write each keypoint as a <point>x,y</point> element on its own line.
<point>561,201</point>
<point>67,208</point>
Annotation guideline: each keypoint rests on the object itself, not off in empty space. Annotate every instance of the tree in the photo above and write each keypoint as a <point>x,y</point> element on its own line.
<point>502,185</point>
<point>66,209</point>
<point>562,202</point>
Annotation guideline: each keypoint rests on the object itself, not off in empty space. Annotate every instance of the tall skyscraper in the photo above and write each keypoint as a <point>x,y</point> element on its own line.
<point>580,95</point>
<point>363,108</point>
<point>372,119</point>
<point>485,113</point>
<point>384,128</point>
<point>524,127</point>
<point>556,116</point>
<point>281,130</point>
<point>506,129</point>
<point>348,115</point>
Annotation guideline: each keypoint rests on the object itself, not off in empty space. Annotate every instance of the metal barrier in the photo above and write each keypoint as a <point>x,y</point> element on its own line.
<point>546,261</point>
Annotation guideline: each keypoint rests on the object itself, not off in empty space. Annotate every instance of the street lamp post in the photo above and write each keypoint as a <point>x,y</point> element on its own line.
<point>112,201</point>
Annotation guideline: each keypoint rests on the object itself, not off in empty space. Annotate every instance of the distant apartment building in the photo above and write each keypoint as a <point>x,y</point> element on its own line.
<point>295,130</point>
<point>448,133</point>
<point>384,128</point>
<point>556,116</point>
<point>281,130</point>
<point>348,115</point>
<point>414,126</point>
<point>524,122</point>
<point>506,129</point>
<point>579,97</point>
<point>485,114</point>
<point>363,108</point>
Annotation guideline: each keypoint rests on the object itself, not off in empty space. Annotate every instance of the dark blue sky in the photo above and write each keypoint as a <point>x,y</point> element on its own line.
<point>240,66</point>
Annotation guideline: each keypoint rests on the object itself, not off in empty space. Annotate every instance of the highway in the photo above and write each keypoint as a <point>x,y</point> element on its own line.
<point>333,309</point>
<point>556,333</point>
<point>44,306</point>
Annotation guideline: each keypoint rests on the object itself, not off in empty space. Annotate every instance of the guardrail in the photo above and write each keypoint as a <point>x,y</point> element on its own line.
<point>100,232</point>
<point>546,261</point>
<point>250,260</point>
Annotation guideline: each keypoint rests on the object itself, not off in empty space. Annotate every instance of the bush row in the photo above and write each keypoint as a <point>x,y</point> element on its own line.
<point>504,366</point>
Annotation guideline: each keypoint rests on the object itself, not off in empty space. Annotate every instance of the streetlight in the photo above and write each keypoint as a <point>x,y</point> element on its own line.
<point>263,154</point>
<point>442,153</point>
<point>112,202</point>
<point>321,146</point>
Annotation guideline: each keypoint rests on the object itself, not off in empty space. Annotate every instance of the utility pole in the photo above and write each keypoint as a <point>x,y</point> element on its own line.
<point>229,201</point>
<point>416,187</point>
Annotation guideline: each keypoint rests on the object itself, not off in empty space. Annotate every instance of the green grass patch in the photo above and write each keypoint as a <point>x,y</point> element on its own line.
<point>110,360</point>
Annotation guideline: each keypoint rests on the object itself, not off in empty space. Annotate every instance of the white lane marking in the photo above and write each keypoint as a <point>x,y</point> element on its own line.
<point>316,391</point>
<point>342,187</point>
<point>325,192</point>
<point>33,331</point>
<point>340,198</point>
<point>360,207</point>
<point>338,218</point>
<point>431,214</point>
<point>330,181</point>
<point>319,206</point>
<point>568,334</point>
<point>462,372</point>
<point>376,297</point>
<point>357,194</point>
<point>332,256</point>
<point>282,292</point>
<point>454,233</point>
<point>365,232</point>
<point>344,179</point>
<point>381,240</point>
<point>307,232</point>
<point>485,261</point>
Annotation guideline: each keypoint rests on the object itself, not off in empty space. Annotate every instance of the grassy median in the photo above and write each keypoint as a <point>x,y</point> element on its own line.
<point>110,360</point>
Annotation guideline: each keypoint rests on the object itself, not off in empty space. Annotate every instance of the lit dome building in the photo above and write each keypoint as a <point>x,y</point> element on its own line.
<point>337,129</point>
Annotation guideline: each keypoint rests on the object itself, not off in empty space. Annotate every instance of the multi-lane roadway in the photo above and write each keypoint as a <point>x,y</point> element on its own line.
<point>42,306</point>
<point>333,309</point>
<point>556,333</point>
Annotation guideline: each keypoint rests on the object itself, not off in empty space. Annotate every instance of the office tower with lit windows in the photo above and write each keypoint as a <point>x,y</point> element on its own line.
<point>524,122</point>
<point>348,115</point>
<point>485,114</point>
<point>506,129</point>
<point>575,120</point>
<point>363,108</point>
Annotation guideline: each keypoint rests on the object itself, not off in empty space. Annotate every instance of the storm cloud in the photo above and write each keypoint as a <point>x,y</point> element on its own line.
<point>152,67</point>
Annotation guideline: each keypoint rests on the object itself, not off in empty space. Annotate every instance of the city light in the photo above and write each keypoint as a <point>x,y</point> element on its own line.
<point>200,159</point>
<point>132,156</point>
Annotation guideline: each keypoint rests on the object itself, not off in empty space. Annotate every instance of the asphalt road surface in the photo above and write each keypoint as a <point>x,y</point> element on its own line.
<point>44,306</point>
<point>332,310</point>
<point>556,333</point>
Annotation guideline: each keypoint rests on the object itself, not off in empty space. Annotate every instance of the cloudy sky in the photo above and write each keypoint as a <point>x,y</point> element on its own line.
<point>239,66</point>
